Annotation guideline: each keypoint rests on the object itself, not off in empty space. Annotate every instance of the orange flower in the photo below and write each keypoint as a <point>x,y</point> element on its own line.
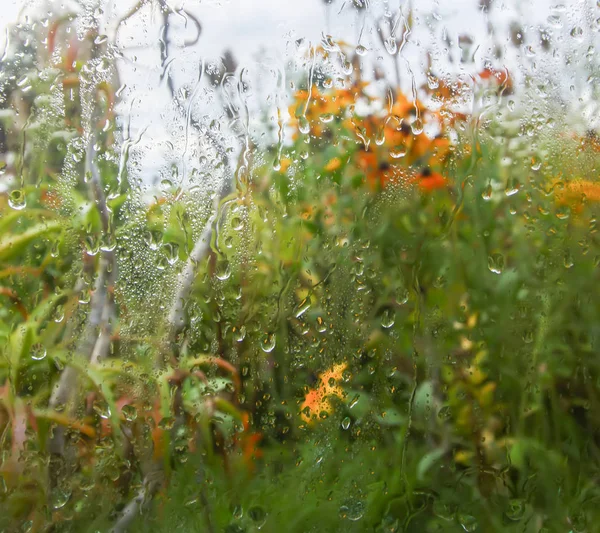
<point>317,400</point>
<point>500,77</point>
<point>575,192</point>
<point>429,181</point>
<point>284,164</point>
<point>249,441</point>
<point>367,161</point>
<point>404,107</point>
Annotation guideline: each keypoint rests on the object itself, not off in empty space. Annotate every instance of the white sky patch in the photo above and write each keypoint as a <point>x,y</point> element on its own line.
<point>264,33</point>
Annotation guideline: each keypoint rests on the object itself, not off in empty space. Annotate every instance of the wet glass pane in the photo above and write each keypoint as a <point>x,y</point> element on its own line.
<point>314,266</point>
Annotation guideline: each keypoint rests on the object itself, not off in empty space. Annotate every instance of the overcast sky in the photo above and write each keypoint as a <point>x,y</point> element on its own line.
<point>262,35</point>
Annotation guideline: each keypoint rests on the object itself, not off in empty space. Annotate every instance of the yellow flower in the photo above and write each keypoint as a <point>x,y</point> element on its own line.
<point>333,164</point>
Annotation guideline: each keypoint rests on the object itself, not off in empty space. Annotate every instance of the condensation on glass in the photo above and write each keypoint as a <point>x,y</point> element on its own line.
<point>299,266</point>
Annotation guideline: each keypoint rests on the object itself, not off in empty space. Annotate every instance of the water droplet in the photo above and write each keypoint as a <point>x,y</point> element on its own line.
<point>346,423</point>
<point>568,261</point>
<point>445,413</point>
<point>515,509</point>
<point>108,243</point>
<point>417,127</point>
<point>237,223</point>
<point>536,163</point>
<point>171,251</point>
<point>563,212</point>
<point>398,152</point>
<point>321,325</point>
<point>153,239</point>
<point>388,318</point>
<point>496,263</point>
<point>303,306</point>
<point>23,81</point>
<point>268,342</point>
<point>528,336</point>
<point>577,33</point>
<point>352,510</point>
<point>512,187</point>
<point>223,270</point>
<point>487,193</point>
<point>101,39</point>
<point>468,522</point>
<point>129,412</point>
<point>85,295</point>
<point>327,118</point>
<point>303,125</point>
<point>166,423</point>
<point>87,484</point>
<point>402,296</point>
<point>258,515</point>
<point>443,510</point>
<point>361,50</point>
<point>102,409</point>
<point>354,401</point>
<point>59,314</point>
<point>391,45</point>
<point>17,200</point>
<point>59,498</point>
<point>239,334</point>
<point>38,352</point>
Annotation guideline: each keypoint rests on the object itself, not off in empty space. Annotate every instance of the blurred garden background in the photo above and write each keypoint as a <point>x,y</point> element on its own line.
<point>266,267</point>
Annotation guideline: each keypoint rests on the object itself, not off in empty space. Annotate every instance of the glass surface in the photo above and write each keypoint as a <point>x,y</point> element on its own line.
<point>315,266</point>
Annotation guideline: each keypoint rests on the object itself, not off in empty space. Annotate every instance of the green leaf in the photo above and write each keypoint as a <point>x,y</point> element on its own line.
<point>427,461</point>
<point>14,245</point>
